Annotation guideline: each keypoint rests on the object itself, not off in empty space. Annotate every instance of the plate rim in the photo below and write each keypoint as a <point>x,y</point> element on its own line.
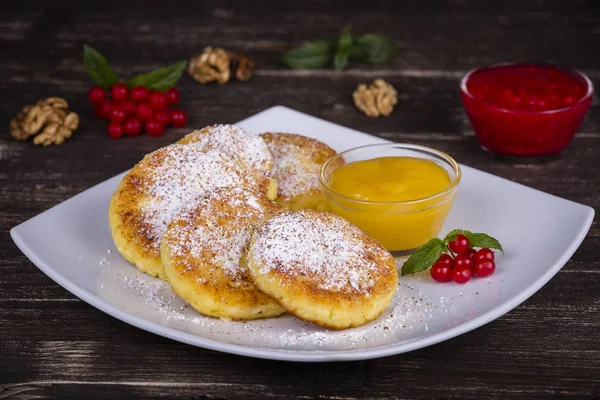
<point>301,355</point>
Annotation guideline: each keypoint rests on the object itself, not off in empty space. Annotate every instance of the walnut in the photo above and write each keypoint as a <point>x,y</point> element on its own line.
<point>242,65</point>
<point>217,64</point>
<point>211,65</point>
<point>49,119</point>
<point>376,99</point>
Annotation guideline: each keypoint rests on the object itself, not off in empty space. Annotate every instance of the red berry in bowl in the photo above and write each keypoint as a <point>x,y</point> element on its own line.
<point>132,126</point>
<point>445,259</point>
<point>138,94</point>
<point>117,114</point>
<point>484,254</point>
<point>463,260</point>
<point>129,107</point>
<point>462,274</point>
<point>96,95</point>
<point>144,111</point>
<point>119,92</point>
<point>178,118</point>
<point>157,100</point>
<point>460,245</point>
<point>172,95</point>
<point>441,272</point>
<point>115,130</point>
<point>154,128</point>
<point>162,116</point>
<point>103,109</point>
<point>485,268</point>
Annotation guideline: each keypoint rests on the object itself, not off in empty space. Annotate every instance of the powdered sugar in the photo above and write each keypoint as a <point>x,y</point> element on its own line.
<point>218,229</point>
<point>411,314</point>
<point>234,142</point>
<point>293,169</point>
<point>179,176</point>
<point>320,246</point>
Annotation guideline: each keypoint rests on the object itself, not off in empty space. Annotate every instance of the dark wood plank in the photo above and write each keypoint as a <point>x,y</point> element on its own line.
<point>54,345</point>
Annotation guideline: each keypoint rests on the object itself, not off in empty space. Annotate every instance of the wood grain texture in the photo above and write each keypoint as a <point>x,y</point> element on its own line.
<point>54,345</point>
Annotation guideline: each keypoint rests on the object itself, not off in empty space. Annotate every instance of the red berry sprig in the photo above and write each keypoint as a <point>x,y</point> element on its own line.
<point>454,257</point>
<point>465,264</point>
<point>138,110</point>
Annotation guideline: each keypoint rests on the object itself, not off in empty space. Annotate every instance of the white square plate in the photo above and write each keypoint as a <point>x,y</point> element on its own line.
<point>71,243</point>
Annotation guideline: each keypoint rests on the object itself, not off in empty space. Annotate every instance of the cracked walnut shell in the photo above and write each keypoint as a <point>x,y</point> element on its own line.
<point>49,119</point>
<point>376,99</point>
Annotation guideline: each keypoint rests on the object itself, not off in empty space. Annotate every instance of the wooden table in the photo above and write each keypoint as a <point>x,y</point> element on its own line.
<point>53,344</point>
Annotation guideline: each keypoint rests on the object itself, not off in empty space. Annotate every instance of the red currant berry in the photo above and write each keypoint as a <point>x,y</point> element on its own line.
<point>172,95</point>
<point>484,254</point>
<point>162,116</point>
<point>445,259</point>
<point>119,92</point>
<point>117,114</point>
<point>132,126</point>
<point>471,253</point>
<point>154,128</point>
<point>178,118</point>
<point>463,260</point>
<point>115,130</point>
<point>129,107</point>
<point>441,272</point>
<point>144,111</point>
<point>157,100</point>
<point>96,95</point>
<point>103,109</point>
<point>462,274</point>
<point>138,94</point>
<point>485,268</point>
<point>460,245</point>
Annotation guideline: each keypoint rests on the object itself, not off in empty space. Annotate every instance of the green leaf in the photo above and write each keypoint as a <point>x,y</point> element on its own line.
<point>314,54</point>
<point>159,79</point>
<point>483,240</point>
<point>344,49</point>
<point>97,68</point>
<point>373,48</point>
<point>476,239</point>
<point>424,257</point>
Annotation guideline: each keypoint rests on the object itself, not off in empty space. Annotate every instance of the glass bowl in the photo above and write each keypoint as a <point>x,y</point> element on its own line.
<point>400,226</point>
<point>525,133</point>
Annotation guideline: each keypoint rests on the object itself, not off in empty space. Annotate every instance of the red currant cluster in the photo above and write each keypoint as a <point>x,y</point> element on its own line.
<point>131,111</point>
<point>466,262</point>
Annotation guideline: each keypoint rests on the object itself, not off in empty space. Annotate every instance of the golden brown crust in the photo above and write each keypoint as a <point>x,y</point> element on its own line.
<point>297,163</point>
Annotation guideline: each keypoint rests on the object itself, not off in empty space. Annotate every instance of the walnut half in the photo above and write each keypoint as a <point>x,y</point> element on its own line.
<point>376,99</point>
<point>219,65</point>
<point>50,119</point>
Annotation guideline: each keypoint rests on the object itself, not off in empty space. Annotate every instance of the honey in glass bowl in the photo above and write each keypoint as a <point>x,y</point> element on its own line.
<point>398,193</point>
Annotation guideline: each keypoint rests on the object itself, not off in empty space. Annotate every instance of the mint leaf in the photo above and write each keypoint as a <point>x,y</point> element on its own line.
<point>344,49</point>
<point>373,48</point>
<point>483,241</point>
<point>314,54</point>
<point>476,239</point>
<point>159,79</point>
<point>97,68</point>
<point>424,257</point>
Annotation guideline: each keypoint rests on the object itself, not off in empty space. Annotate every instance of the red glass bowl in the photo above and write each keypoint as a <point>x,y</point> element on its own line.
<point>525,133</point>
